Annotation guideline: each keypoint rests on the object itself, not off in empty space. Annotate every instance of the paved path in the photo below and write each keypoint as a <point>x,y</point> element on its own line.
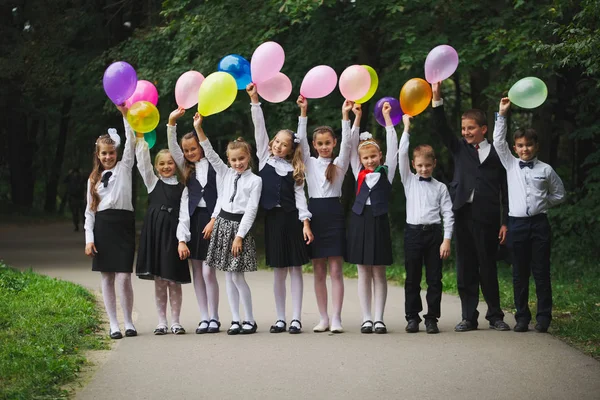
<point>472,365</point>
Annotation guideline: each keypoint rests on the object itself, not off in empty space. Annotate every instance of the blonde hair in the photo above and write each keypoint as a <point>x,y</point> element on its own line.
<point>295,157</point>
<point>238,144</point>
<point>165,152</point>
<point>331,170</point>
<point>371,142</point>
<point>189,168</point>
<point>97,169</point>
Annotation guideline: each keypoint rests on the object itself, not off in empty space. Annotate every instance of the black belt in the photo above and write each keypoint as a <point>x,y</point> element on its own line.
<point>537,217</point>
<point>230,216</point>
<point>166,208</point>
<point>424,227</point>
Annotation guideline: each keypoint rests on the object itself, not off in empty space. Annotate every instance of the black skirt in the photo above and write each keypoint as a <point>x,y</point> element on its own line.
<point>284,241</point>
<point>369,241</point>
<point>114,238</point>
<point>327,225</point>
<point>198,245</point>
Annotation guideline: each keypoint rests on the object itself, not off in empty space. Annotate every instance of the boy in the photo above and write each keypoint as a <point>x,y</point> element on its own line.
<point>533,187</point>
<point>426,198</point>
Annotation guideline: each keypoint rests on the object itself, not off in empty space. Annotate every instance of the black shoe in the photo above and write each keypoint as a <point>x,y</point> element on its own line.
<point>367,327</point>
<point>431,326</point>
<point>213,329</point>
<point>161,330</point>
<point>499,325</point>
<point>295,329</point>
<point>278,329</point>
<point>116,335</point>
<point>130,332</point>
<point>541,328</point>
<point>521,326</point>
<point>202,330</point>
<point>465,326</point>
<point>177,329</point>
<point>412,326</point>
<point>379,329</point>
<point>235,328</point>
<point>246,331</point>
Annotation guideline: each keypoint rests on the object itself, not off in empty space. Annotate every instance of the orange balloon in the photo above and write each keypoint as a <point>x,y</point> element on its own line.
<point>415,96</point>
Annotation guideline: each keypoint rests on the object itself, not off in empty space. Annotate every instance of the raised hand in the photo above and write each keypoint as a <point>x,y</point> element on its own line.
<point>357,109</point>
<point>387,109</point>
<point>436,90</point>
<point>303,104</point>
<point>198,121</point>
<point>504,106</point>
<point>175,115</point>
<point>251,90</point>
<point>123,109</point>
<point>406,121</point>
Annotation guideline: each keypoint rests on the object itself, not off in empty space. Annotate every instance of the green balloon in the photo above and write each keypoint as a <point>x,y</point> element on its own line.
<point>150,138</point>
<point>529,92</point>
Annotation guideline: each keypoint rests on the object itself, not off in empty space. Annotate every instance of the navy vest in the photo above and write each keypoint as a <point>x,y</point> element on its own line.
<point>379,194</point>
<point>277,189</point>
<point>196,191</point>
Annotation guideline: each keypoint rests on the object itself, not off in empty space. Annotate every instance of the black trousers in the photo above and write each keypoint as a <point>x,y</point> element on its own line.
<point>529,241</point>
<point>422,246</point>
<point>476,247</point>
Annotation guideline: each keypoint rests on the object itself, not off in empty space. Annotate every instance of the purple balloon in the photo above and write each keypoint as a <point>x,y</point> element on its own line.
<point>119,82</point>
<point>396,113</point>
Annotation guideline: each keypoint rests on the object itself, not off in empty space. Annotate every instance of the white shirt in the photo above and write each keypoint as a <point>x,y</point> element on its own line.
<point>318,185</point>
<point>247,195</point>
<point>144,164</point>
<point>117,194</point>
<point>282,166</point>
<point>531,191</point>
<point>424,200</point>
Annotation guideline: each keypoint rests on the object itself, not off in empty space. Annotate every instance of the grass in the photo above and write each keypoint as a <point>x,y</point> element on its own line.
<point>45,325</point>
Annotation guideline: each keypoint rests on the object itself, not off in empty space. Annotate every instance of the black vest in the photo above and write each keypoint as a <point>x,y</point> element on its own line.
<point>379,194</point>
<point>197,192</point>
<point>165,197</point>
<point>277,189</point>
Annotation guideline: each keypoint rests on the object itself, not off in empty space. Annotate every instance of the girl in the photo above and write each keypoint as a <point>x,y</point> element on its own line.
<point>282,173</point>
<point>198,201</point>
<point>325,176</point>
<point>110,223</point>
<point>158,256</point>
<point>369,239</point>
<point>232,248</point>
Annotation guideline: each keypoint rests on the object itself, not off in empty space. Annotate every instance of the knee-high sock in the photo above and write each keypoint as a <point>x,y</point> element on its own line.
<point>200,289</point>
<point>123,280</point>
<point>337,288</point>
<point>110,299</point>
<point>175,299</point>
<point>160,296</point>
<point>380,289</point>
<point>297,284</point>
<point>212,290</point>
<point>320,277</point>
<point>365,279</point>
<point>233,296</point>
<point>279,274</point>
<point>246,296</point>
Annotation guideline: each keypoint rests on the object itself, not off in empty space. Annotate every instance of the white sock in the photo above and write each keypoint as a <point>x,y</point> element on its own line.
<point>233,295</point>
<point>297,284</point>
<point>212,291</point>
<point>200,289</point>
<point>380,290</point>
<point>279,274</point>
<point>175,299</point>
<point>123,280</point>
<point>246,296</point>
<point>110,299</point>
<point>320,277</point>
<point>365,279</point>
<point>337,289</point>
<point>160,295</point>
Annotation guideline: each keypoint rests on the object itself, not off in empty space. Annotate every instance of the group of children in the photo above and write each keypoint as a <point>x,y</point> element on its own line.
<point>208,216</point>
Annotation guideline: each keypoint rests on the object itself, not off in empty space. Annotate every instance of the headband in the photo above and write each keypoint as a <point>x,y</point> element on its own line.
<point>365,140</point>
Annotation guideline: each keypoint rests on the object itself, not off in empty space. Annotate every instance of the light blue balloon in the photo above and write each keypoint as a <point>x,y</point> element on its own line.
<point>238,67</point>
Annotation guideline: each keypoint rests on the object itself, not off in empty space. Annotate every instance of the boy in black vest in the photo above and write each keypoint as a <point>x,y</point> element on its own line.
<point>480,204</point>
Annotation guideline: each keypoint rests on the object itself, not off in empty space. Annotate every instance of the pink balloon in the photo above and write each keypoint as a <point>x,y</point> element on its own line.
<point>355,82</point>
<point>186,89</point>
<point>266,62</point>
<point>276,89</point>
<point>318,82</point>
<point>441,63</point>
<point>144,91</point>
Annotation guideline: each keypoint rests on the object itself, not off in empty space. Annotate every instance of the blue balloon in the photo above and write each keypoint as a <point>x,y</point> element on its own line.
<point>238,67</point>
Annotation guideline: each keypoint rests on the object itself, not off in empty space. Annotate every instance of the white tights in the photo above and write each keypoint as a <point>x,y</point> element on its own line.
<point>297,284</point>
<point>237,287</point>
<point>123,281</point>
<point>372,275</point>
<point>337,288</point>
<point>174,297</point>
<point>207,290</point>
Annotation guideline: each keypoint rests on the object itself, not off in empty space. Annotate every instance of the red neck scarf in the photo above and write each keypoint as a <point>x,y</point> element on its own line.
<point>361,177</point>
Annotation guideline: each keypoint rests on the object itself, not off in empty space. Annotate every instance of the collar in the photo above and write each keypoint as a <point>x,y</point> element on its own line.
<point>324,160</point>
<point>171,180</point>
<point>109,170</point>
<point>203,160</point>
<point>484,144</point>
<point>534,160</point>
<point>279,159</point>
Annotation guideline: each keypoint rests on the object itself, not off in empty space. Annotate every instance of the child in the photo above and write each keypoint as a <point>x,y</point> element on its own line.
<point>533,187</point>
<point>324,176</point>
<point>158,257</point>
<point>287,219</point>
<point>426,198</point>
<point>197,204</point>
<point>480,205</point>
<point>369,238</point>
<point>110,223</point>
<point>232,248</point>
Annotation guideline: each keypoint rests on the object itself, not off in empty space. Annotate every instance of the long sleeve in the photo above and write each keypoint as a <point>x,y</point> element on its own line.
<point>342,161</point>
<point>391,157</point>
<point>441,127</point>
<point>213,158</point>
<point>142,152</point>
<point>183,228</point>
<point>129,148</point>
<point>403,159</point>
<point>447,213</point>
<point>354,157</point>
<point>174,148</point>
<point>500,143</point>
<point>556,189</point>
<point>260,135</point>
<point>301,204</point>
<point>90,217</point>
<point>302,134</point>
<point>251,210</point>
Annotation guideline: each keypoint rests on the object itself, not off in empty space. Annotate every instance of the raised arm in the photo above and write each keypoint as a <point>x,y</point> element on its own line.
<point>260,130</point>
<point>440,124</point>
<point>144,164</point>
<point>354,140</point>
<point>403,158</point>
<point>302,123</point>
<point>391,139</point>
<point>210,154</point>
<point>500,129</point>
<point>129,147</point>
<point>342,161</point>
<point>174,148</point>
<point>251,209</point>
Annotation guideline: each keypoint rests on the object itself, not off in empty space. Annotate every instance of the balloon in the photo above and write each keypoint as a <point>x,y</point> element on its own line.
<point>440,64</point>
<point>216,93</point>
<point>528,92</point>
<point>119,82</point>
<point>238,67</point>
<point>318,82</point>
<point>415,96</point>
<point>186,89</point>
<point>276,89</point>
<point>150,138</point>
<point>266,61</point>
<point>355,82</point>
<point>143,116</point>
<point>144,91</point>
<point>395,114</point>
<point>372,88</point>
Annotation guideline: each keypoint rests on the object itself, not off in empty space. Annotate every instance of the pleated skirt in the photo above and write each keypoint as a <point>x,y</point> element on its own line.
<point>284,241</point>
<point>328,227</point>
<point>114,238</point>
<point>219,251</point>
<point>369,241</point>
<point>198,245</point>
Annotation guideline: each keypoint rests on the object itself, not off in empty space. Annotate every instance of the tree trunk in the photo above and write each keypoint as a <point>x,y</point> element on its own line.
<point>55,170</point>
<point>20,161</point>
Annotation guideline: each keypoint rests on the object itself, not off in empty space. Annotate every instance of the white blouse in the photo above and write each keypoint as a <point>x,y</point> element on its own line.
<point>117,194</point>
<point>144,164</point>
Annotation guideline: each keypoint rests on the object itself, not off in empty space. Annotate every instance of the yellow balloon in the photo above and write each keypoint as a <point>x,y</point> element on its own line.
<point>373,88</point>
<point>415,96</point>
<point>143,116</point>
<point>216,93</point>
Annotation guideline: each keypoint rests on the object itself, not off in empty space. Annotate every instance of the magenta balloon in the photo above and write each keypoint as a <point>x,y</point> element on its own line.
<point>276,89</point>
<point>119,81</point>
<point>318,82</point>
<point>186,89</point>
<point>441,63</point>
<point>267,60</point>
<point>395,114</point>
<point>144,91</point>
<point>355,82</point>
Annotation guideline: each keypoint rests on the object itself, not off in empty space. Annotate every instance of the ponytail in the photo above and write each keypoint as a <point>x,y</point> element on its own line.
<point>240,143</point>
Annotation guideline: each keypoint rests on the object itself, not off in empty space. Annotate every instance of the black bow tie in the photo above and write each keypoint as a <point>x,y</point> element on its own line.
<point>425,179</point>
<point>107,176</point>
<point>528,164</point>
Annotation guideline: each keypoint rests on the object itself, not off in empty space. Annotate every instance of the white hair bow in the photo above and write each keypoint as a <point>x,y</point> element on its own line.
<point>112,132</point>
<point>365,136</point>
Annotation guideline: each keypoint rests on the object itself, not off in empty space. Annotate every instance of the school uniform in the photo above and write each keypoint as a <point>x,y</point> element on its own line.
<point>283,200</point>
<point>369,240</point>
<point>426,199</point>
<point>158,254</point>
<point>533,187</point>
<point>235,213</point>
<point>198,199</point>
<point>328,222</point>
<point>112,226</point>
